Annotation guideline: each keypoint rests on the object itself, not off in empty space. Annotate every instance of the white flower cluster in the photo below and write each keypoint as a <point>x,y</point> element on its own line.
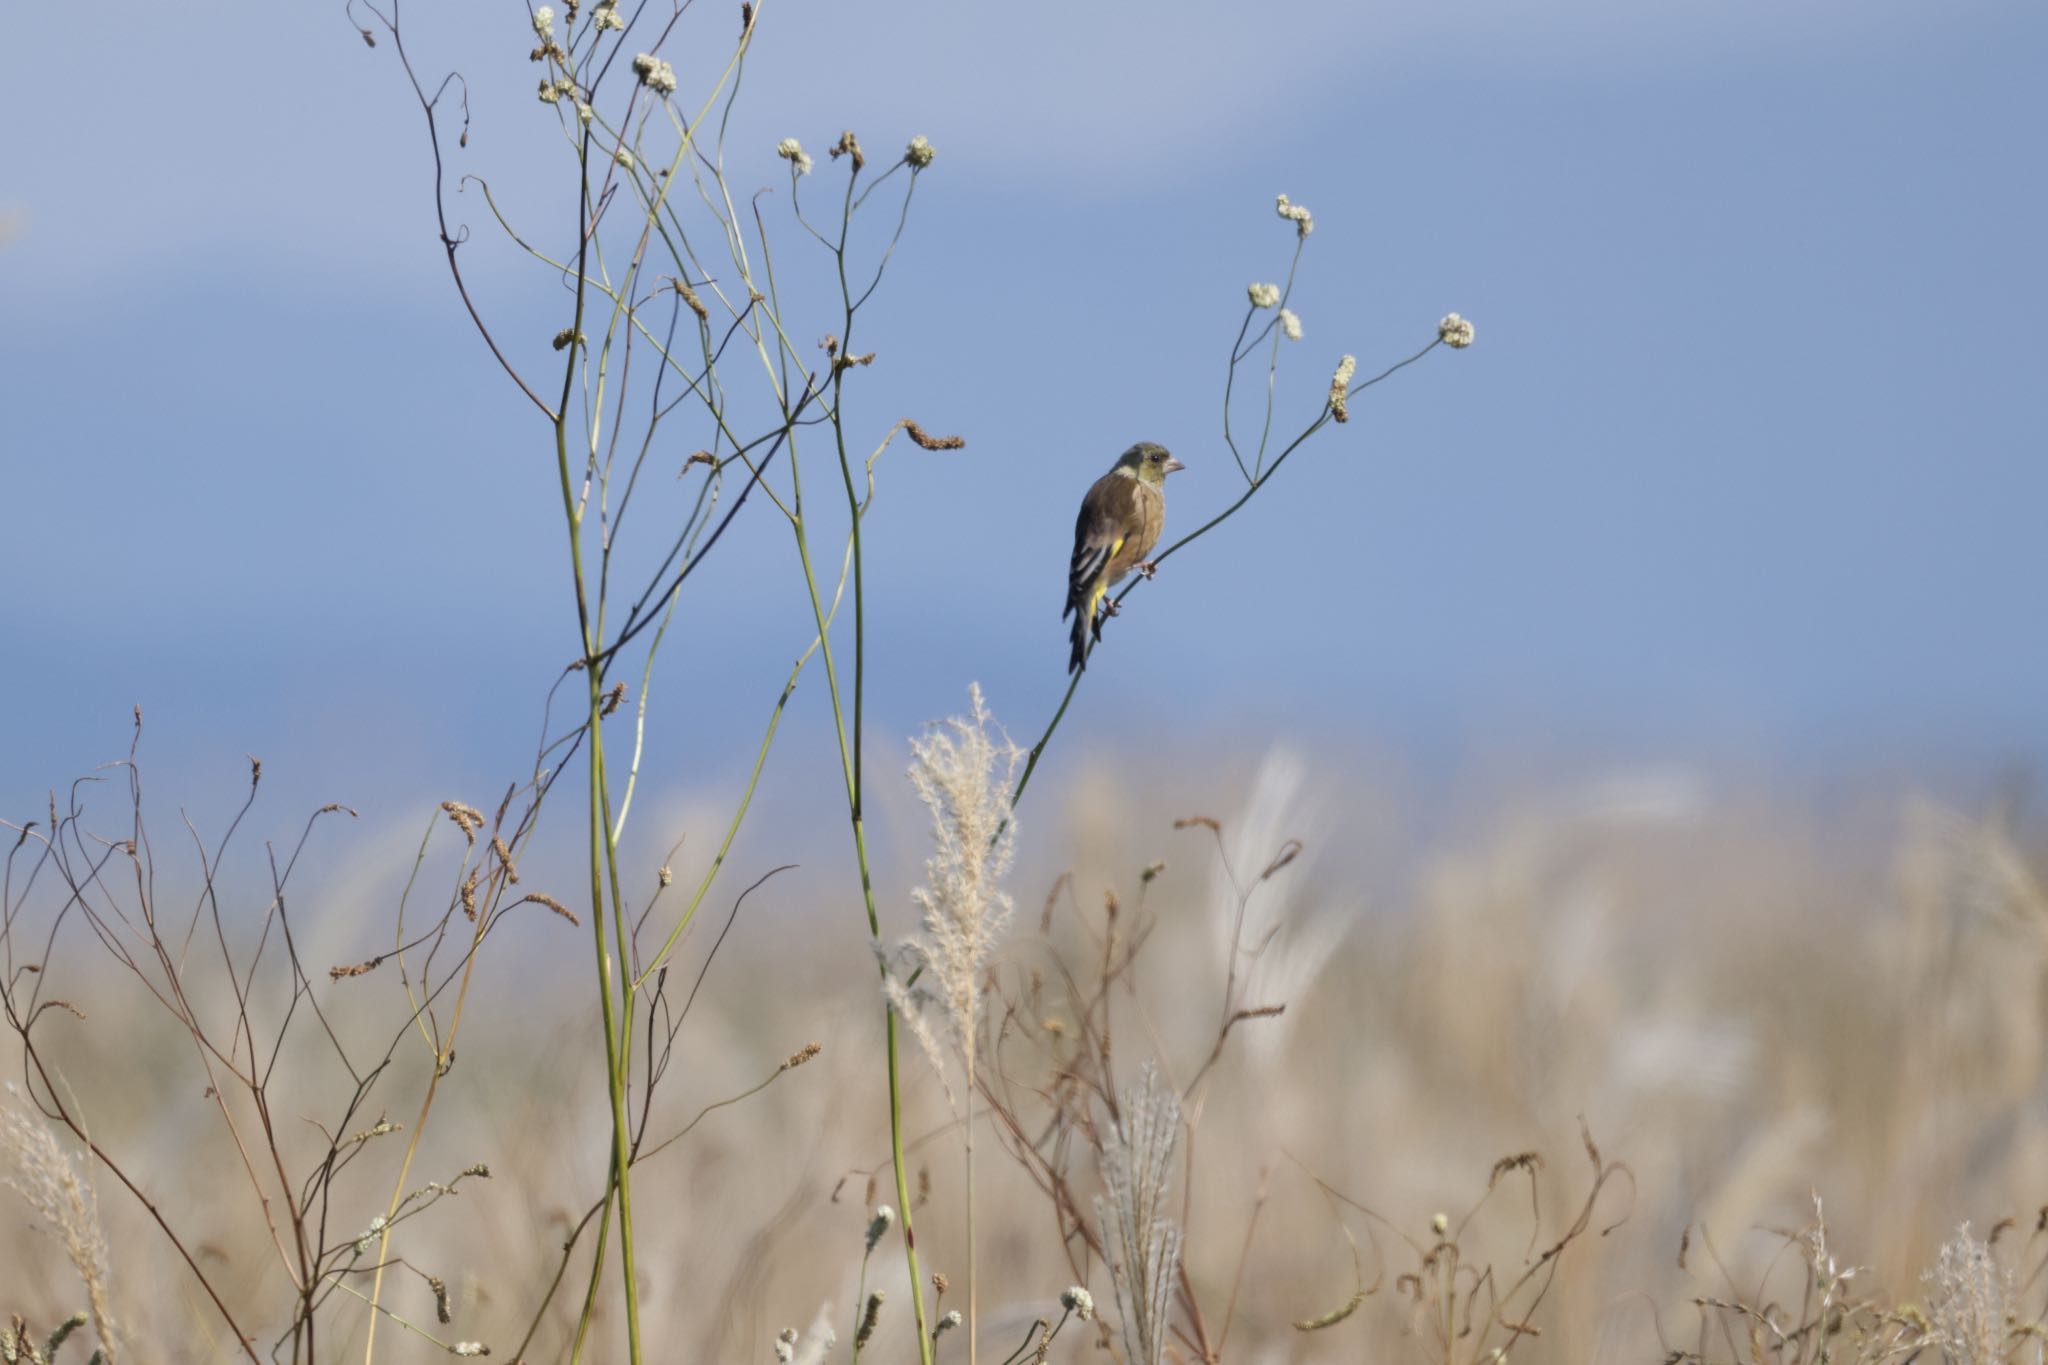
<point>1297,214</point>
<point>919,154</point>
<point>656,74</point>
<point>544,22</point>
<point>1290,324</point>
<point>951,1320</point>
<point>1340,387</point>
<point>879,1224</point>
<point>1079,1302</point>
<point>471,1348</point>
<point>1263,295</point>
<point>1454,332</point>
<point>792,151</point>
<point>551,91</point>
<point>607,15</point>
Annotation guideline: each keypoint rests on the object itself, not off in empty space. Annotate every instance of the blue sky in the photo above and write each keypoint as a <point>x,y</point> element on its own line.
<point>1748,455</point>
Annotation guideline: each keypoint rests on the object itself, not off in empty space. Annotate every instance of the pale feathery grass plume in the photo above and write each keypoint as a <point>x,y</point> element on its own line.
<point>1970,1301</point>
<point>1141,1242</point>
<point>42,1173</point>
<point>1280,949</point>
<point>963,771</point>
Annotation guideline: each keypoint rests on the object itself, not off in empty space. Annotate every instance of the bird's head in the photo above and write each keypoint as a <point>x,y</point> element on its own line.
<point>1148,463</point>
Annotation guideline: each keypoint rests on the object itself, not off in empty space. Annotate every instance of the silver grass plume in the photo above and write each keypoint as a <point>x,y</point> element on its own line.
<point>962,770</point>
<point>1970,1302</point>
<point>1136,1155</point>
<point>42,1173</point>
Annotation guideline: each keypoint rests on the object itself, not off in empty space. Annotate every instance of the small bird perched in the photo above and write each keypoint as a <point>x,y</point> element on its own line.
<point>1119,524</point>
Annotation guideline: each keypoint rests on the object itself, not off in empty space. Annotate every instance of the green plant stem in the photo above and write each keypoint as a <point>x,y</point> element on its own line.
<point>603,849</point>
<point>852,765</point>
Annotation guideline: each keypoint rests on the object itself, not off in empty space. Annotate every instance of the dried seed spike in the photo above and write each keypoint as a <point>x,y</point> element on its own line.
<point>802,1055</point>
<point>867,1321</point>
<point>539,898</point>
<point>1204,821</point>
<point>696,304</point>
<point>924,441</point>
<point>505,859</point>
<point>1334,1316</point>
<point>440,1289</point>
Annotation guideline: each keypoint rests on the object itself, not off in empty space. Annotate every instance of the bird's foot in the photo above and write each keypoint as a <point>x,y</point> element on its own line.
<point>1110,607</point>
<point>1149,568</point>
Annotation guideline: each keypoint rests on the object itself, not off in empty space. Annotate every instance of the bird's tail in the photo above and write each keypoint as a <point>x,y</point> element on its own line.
<point>1086,622</point>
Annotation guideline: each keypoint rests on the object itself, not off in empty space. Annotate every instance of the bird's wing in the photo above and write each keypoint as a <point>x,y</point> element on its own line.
<point>1142,525</point>
<point>1108,515</point>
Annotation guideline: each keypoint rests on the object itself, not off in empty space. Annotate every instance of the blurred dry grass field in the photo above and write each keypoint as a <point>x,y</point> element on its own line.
<point>1741,1006</point>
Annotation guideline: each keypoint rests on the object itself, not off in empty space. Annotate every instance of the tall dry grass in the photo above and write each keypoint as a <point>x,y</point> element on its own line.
<point>1744,1007</point>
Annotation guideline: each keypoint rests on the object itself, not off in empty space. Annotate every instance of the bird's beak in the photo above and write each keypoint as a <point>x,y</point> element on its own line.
<point>1173,464</point>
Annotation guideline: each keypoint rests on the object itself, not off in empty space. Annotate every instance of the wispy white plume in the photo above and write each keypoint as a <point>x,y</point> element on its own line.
<point>1136,1155</point>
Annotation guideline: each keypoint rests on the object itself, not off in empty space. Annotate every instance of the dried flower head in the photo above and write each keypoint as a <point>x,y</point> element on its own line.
<point>624,158</point>
<point>1454,332</point>
<point>920,153</point>
<point>1263,295</point>
<point>802,1055</point>
<point>470,1348</point>
<point>792,151</point>
<point>879,1224</point>
<point>1140,1241</point>
<point>608,16</point>
<point>926,441</point>
<point>548,93</point>
<point>656,74</point>
<point>849,145</point>
<point>1290,324</point>
<point>867,1319</point>
<point>1340,388</point>
<point>544,22</point>
<point>962,771</point>
<point>1296,214</point>
<point>951,1320</point>
<point>1079,1302</point>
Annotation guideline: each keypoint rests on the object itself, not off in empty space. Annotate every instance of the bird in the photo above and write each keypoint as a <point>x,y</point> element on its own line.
<point>1119,524</point>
